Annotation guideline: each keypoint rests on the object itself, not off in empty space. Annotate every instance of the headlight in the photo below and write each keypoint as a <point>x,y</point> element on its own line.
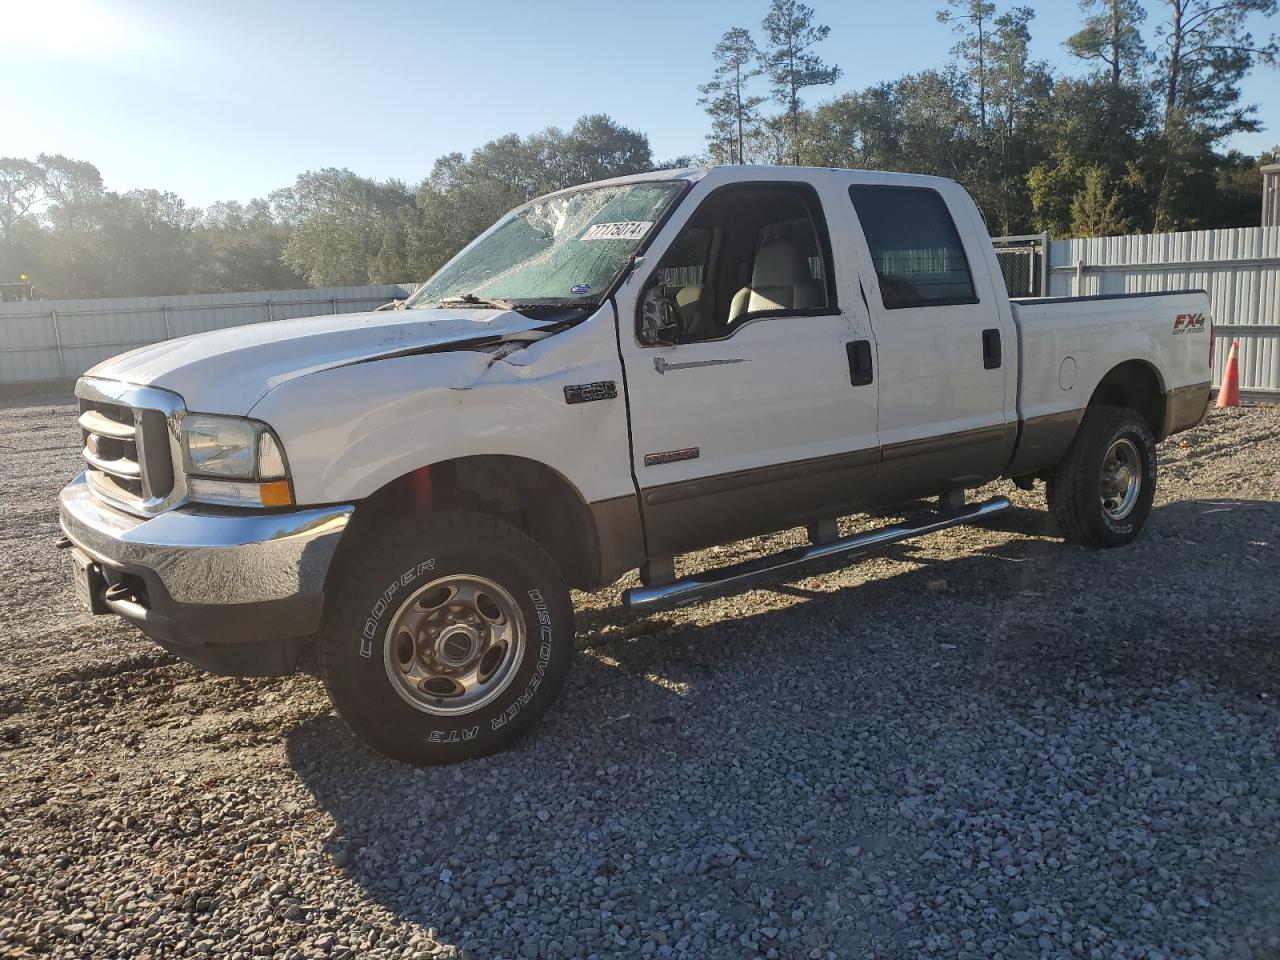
<point>234,461</point>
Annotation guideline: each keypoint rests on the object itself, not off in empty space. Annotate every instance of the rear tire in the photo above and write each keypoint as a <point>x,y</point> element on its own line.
<point>449,640</point>
<point>1101,493</point>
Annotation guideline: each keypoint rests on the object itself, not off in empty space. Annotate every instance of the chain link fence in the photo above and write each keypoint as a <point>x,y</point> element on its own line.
<point>1024,265</point>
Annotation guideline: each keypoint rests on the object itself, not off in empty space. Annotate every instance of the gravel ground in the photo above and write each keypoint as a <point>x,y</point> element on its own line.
<point>982,744</point>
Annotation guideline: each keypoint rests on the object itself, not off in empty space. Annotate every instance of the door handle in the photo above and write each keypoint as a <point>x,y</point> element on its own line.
<point>860,371</point>
<point>991,348</point>
<point>662,366</point>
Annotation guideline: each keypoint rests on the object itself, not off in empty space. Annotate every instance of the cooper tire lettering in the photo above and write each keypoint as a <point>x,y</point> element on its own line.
<point>369,631</point>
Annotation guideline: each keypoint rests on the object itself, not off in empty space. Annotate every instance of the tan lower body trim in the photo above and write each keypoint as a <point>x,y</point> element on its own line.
<point>689,515</point>
<point>1185,407</point>
<point>619,535</point>
<point>685,516</point>
<point>1044,442</point>
<point>933,465</point>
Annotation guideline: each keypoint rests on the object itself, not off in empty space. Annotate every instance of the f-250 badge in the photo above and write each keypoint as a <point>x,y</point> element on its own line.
<point>1188,323</point>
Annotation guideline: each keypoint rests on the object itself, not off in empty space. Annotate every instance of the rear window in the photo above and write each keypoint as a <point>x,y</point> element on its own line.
<point>914,246</point>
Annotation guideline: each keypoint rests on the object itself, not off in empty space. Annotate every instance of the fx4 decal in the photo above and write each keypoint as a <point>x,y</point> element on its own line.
<point>1188,323</point>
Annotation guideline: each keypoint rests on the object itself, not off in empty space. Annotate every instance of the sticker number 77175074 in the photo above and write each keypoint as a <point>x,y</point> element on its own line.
<point>618,230</point>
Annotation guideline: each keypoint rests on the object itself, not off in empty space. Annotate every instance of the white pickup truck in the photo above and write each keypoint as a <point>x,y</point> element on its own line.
<point>609,377</point>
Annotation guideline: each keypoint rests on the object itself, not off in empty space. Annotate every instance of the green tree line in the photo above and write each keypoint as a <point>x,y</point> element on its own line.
<point>1130,142</point>
<point>74,238</point>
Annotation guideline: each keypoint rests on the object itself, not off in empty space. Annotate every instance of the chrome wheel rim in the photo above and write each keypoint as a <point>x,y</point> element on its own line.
<point>1121,479</point>
<point>454,645</point>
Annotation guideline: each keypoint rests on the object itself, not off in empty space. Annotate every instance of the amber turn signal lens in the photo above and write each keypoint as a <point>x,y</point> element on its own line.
<point>275,493</point>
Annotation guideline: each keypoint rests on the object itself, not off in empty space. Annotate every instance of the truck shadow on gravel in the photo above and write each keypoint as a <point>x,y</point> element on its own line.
<point>684,738</point>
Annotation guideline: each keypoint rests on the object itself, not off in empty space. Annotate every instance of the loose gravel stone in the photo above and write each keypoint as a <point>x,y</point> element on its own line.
<point>982,743</point>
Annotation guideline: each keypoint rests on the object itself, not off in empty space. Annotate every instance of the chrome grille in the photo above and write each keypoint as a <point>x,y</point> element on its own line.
<point>111,447</point>
<point>129,444</point>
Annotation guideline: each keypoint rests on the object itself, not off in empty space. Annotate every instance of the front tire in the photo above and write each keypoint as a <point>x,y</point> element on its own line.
<point>1101,493</point>
<point>448,641</point>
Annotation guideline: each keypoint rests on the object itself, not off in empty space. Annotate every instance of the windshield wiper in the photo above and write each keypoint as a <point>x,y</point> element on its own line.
<point>475,301</point>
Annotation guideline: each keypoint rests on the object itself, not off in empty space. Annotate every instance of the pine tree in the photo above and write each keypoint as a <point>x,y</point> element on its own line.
<point>734,113</point>
<point>1096,210</point>
<point>790,62</point>
<point>1208,51</point>
<point>972,19</point>
<point>1111,37</point>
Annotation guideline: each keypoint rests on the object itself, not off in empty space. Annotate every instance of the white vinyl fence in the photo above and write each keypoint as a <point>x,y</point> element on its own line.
<point>60,339</point>
<point>1239,268</point>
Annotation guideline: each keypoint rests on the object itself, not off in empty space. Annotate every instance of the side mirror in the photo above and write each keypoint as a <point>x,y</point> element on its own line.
<point>661,323</point>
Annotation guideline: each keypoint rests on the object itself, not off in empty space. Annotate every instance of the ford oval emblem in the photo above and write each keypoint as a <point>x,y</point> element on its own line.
<point>579,289</point>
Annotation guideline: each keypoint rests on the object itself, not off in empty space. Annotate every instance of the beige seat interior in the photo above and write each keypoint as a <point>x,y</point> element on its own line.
<point>697,309</point>
<point>780,280</point>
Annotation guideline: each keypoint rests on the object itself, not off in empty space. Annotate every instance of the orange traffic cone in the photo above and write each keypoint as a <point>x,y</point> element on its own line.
<point>1229,392</point>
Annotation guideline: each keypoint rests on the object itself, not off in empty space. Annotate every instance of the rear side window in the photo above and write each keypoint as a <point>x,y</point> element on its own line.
<point>915,247</point>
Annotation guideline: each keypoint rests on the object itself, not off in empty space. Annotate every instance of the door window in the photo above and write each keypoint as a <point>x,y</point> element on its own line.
<point>748,253</point>
<point>915,247</point>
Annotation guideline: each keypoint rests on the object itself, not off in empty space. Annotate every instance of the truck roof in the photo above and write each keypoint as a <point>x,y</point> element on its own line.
<point>730,173</point>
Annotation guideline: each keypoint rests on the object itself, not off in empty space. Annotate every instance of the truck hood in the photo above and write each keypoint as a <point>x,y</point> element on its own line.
<point>228,371</point>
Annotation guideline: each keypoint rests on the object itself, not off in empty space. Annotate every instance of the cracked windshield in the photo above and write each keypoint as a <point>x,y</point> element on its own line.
<point>567,248</point>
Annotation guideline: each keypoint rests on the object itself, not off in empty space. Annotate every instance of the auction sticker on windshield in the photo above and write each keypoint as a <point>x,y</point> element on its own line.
<point>619,230</point>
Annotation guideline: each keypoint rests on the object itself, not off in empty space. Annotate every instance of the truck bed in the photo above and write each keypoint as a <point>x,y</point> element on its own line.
<point>1090,331</point>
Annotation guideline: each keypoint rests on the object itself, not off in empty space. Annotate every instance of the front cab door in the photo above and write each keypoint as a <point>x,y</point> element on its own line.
<point>745,418</point>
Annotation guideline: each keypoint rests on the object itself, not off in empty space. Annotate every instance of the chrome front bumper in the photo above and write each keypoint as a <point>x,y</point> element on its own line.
<point>206,555</point>
<point>230,591</point>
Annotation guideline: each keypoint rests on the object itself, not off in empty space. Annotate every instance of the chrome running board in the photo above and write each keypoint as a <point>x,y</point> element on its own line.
<point>730,578</point>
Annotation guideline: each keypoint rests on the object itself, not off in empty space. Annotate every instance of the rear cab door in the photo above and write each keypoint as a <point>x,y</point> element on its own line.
<point>946,341</point>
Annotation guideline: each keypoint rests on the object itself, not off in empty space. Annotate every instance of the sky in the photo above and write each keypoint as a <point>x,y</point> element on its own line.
<point>229,99</point>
